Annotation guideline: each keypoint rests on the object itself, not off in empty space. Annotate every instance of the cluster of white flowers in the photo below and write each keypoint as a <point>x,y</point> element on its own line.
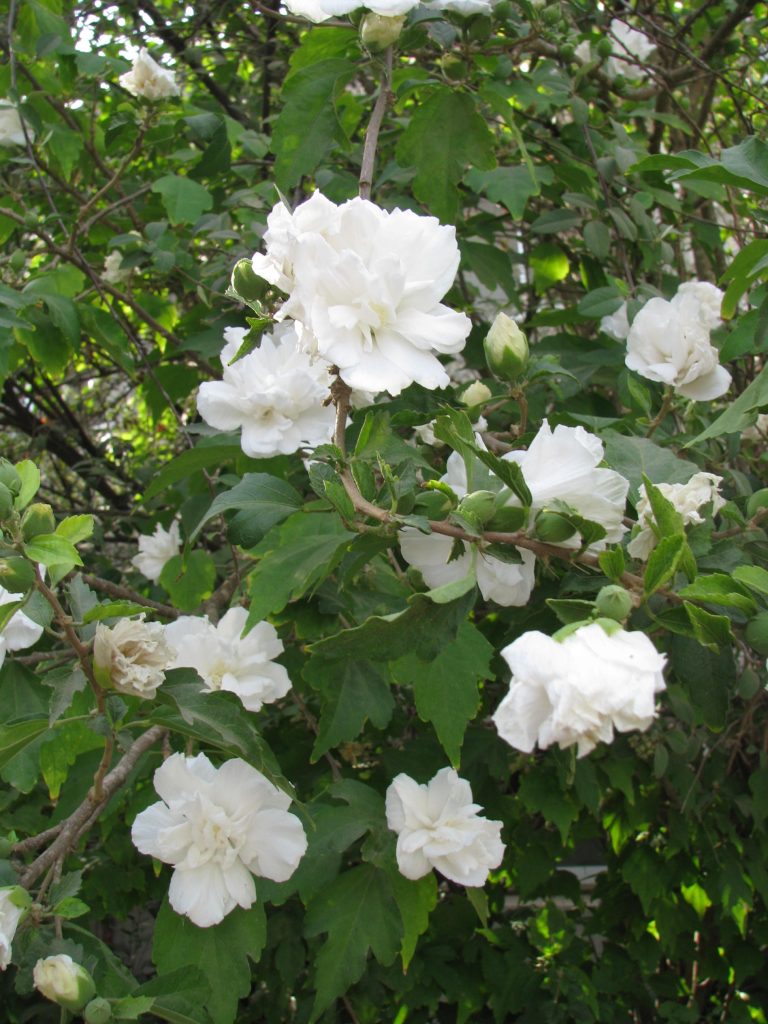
<point>438,826</point>
<point>669,342</point>
<point>19,631</point>
<point>580,689</point>
<point>225,660</point>
<point>156,550</point>
<point>11,912</point>
<point>364,287</point>
<point>218,827</point>
<point>148,80</point>
<point>11,129</point>
<point>702,489</point>
<point>322,10</point>
<point>275,395</point>
<point>131,656</point>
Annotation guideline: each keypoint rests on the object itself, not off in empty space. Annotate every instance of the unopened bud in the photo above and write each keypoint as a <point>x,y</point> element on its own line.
<point>479,507</point>
<point>552,527</point>
<point>506,348</point>
<point>16,574</point>
<point>37,519</point>
<point>757,633</point>
<point>246,283</point>
<point>613,602</point>
<point>757,501</point>
<point>377,31</point>
<point>10,477</point>
<point>63,981</point>
<point>476,394</point>
<point>98,1011</point>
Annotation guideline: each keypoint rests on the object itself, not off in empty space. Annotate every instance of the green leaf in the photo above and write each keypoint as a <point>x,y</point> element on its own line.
<point>510,474</point>
<point>308,125</point>
<point>549,264</point>
<point>667,518</point>
<point>188,463</point>
<point>353,692</point>
<point>450,591</point>
<point>424,628</point>
<point>752,576</point>
<point>59,752</point>
<point>541,793</point>
<point>446,688</point>
<point>113,610</point>
<point>52,550</point>
<point>216,719</point>
<point>635,457</point>
<point>443,138</point>
<point>415,901</point>
<point>600,302</point>
<point>265,499</point>
<point>71,908</point>
<point>663,563</point>
<point>510,186</point>
<point>708,677</point>
<point>75,528</point>
<point>293,558</point>
<point>222,952</point>
<point>721,589</point>
<point>189,579</point>
<point>612,563</point>
<point>740,412</point>
<point>359,914</point>
<point>713,631</point>
<point>184,200</point>
<point>14,738</point>
<point>30,483</point>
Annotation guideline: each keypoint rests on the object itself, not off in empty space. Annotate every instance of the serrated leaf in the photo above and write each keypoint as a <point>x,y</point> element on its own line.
<point>14,738</point>
<point>223,953</point>
<point>184,200</point>
<point>189,579</point>
<point>612,563</point>
<point>719,588</point>
<point>75,528</point>
<point>353,692</point>
<point>359,915</point>
<point>446,688</point>
<point>188,463</point>
<point>113,610</point>
<point>415,901</point>
<point>663,563</point>
<point>443,138</point>
<point>50,550</point>
<point>713,631</point>
<point>752,576</point>
<point>666,516</point>
<point>267,500</point>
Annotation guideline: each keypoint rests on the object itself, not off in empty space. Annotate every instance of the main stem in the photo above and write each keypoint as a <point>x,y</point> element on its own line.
<point>374,127</point>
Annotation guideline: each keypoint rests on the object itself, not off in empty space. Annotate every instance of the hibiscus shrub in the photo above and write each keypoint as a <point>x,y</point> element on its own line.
<point>384,597</point>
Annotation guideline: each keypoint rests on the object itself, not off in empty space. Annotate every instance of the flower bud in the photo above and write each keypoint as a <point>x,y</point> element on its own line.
<point>377,31</point>
<point>37,519</point>
<point>757,633</point>
<point>476,394</point>
<point>63,981</point>
<point>552,527</point>
<point>98,1011</point>
<point>479,506</point>
<point>613,602</point>
<point>757,501</point>
<point>6,502</point>
<point>10,477</point>
<point>506,348</point>
<point>248,286</point>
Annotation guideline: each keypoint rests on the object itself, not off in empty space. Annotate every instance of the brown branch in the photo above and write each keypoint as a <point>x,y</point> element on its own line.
<point>374,127</point>
<point>89,810</point>
<point>126,594</point>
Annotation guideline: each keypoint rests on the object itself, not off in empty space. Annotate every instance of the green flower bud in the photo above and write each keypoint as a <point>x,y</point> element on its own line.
<point>757,501</point>
<point>98,1011</point>
<point>604,47</point>
<point>6,502</point>
<point>506,349</point>
<point>377,31</point>
<point>16,574</point>
<point>476,394</point>
<point>248,285</point>
<point>552,527</point>
<point>18,260</point>
<point>10,477</point>
<point>613,602</point>
<point>37,519</point>
<point>478,507</point>
<point>63,981</point>
<point>757,633</point>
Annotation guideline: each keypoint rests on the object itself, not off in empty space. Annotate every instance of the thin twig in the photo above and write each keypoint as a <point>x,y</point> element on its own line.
<point>374,126</point>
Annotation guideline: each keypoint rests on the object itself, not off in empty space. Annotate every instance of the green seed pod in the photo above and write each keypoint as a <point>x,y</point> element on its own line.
<point>613,602</point>
<point>552,527</point>
<point>98,1011</point>
<point>377,31</point>
<point>248,285</point>
<point>478,507</point>
<point>757,633</point>
<point>10,477</point>
<point>506,349</point>
<point>757,501</point>
<point>37,519</point>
